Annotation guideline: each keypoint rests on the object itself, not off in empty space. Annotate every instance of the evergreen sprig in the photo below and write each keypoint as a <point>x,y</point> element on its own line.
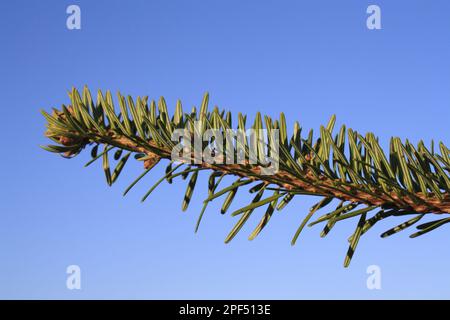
<point>409,180</point>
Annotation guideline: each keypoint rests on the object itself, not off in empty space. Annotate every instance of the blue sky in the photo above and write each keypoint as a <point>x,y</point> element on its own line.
<point>310,59</point>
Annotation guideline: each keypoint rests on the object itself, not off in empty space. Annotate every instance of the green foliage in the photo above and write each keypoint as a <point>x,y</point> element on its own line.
<point>350,167</point>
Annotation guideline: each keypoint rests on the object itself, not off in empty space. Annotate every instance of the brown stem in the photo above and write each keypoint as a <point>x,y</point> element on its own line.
<point>417,202</point>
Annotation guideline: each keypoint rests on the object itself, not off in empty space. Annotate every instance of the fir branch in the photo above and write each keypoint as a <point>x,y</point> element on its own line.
<point>345,166</point>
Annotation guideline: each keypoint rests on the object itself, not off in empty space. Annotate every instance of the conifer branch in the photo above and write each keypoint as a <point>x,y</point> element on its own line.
<point>408,180</point>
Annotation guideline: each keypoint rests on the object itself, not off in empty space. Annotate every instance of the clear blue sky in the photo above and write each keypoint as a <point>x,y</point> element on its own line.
<point>310,59</point>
